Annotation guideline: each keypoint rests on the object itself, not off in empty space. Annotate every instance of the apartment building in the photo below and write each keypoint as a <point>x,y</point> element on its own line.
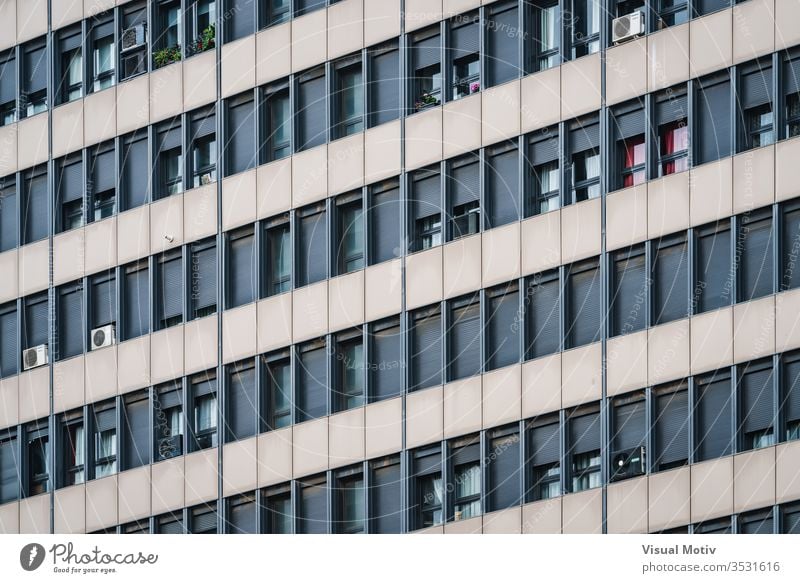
<point>388,266</point>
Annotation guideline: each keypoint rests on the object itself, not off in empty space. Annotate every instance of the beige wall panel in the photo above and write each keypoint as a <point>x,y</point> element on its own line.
<point>668,205</point>
<point>101,373</point>
<point>711,187</point>
<point>581,372</point>
<point>274,184</point>
<point>100,116</point>
<point>500,258</point>
<point>310,447</point>
<point>200,77</point>
<point>166,224</point>
<point>668,352</point>
<point>541,242</point>
<point>462,266</point>
<point>787,171</point>
<point>626,71</point>
<point>384,427</point>
<point>133,364</point>
<point>274,457</point>
<point>381,20</point>
<point>500,117</point>
<point>580,86</point>
<point>541,385</point>
<point>9,518</point>
<point>753,29</point>
<point>424,417</point>
<point>31,19</point>
<point>346,164</point>
<point>787,15</point>
<point>345,28</point>
<point>383,288</point>
<point>310,311</point>
<point>461,123</point>
<point>133,234</point>
<point>32,141</point>
<point>627,506</point>
<point>240,467</point>
<point>200,341</point>
<point>668,57</point>
<point>68,255</point>
<point>346,301</point>
<point>626,217</point>
<point>34,262</point>
<point>669,499</point>
<point>8,148</point>
<point>8,24</point>
<point>101,245</point>
<point>508,521</point>
<point>753,178</point>
<point>68,384</point>
<point>754,479</point>
<point>582,513</point>
<point>133,104</point>
<point>462,406</point>
<point>274,53</point>
<point>542,517</point>
<point>580,230</point>
<point>712,341</point>
<point>712,489</point>
<point>239,200</point>
<point>34,394</point>
<point>101,503</point>
<point>9,267</point>
<point>468,526</point>
<point>34,515</point>
<point>134,494</point>
<point>201,476</point>
<point>239,333</point>
<point>167,486</point>
<point>9,401</point>
<point>626,363</point>
<point>166,354</point>
<point>423,278</point>
<point>67,128</point>
<point>238,66</point>
<point>502,396</point>
<point>540,99</point>
<point>200,212</point>
<point>711,43</point>
<point>310,176</point>
<point>346,437</point>
<point>754,329</point>
<point>69,510</point>
<point>274,322</point>
<point>423,139</point>
<point>787,471</point>
<point>309,40</point>
<point>166,92</point>
<point>382,152</point>
<point>419,13</point>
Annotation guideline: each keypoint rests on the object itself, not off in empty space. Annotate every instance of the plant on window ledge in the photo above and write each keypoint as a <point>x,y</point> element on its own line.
<point>426,100</point>
<point>206,40</point>
<point>166,56</point>
<point>474,87</point>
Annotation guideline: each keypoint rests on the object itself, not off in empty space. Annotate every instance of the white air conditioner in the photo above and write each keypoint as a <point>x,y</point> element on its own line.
<point>132,38</point>
<point>627,27</point>
<point>33,357</point>
<point>103,336</point>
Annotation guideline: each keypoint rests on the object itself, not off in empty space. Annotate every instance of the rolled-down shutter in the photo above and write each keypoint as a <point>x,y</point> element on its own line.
<point>756,260</point>
<point>713,271</point>
<point>8,342</point>
<point>385,227</point>
<point>584,433</point>
<point>70,322</point>
<point>545,148</point>
<point>204,521</point>
<point>791,521</point>
<point>241,268</point>
<point>103,172</point>
<point>503,187</point>
<point>791,75</point>
<point>8,80</point>
<point>105,420</point>
<point>465,341</point>
<point>465,181</point>
<point>427,52</point>
<point>629,124</point>
<point>714,419</point>
<point>137,433</point>
<point>386,365</point>
<point>543,315</point>
<point>756,87</point>
<point>465,39</point>
<point>504,469</point>
<point>585,309</point>
<point>790,235</point>
<point>174,526</point>
<point>313,384</point>
<point>9,471</point>
<point>504,329</point>
<point>136,302</point>
<point>134,172</point>
<point>35,74</point>
<point>759,523</point>
<point>503,47</point>
<point>670,286</point>
<point>240,140</point>
<point>313,246</point>
<point>71,186</point>
<point>313,509</point>
<point>34,212</point>
<point>312,112</point>
<point>713,113</point>
<point>103,301</point>
<point>545,446</point>
<point>36,322</point>
<point>630,287</point>
<point>386,507</point>
<point>791,389</point>
<point>427,351</point>
<point>8,217</point>
<point>171,286</point>
<point>584,137</point>
<point>757,399</point>
<point>242,394</point>
<point>428,462</point>
<point>242,516</point>
<point>204,276</point>
<point>427,195</point>
<point>672,108</point>
<point>385,93</point>
<point>629,426</point>
<point>672,427</point>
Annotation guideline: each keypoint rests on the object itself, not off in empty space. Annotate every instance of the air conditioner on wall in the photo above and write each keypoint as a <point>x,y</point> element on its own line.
<point>103,336</point>
<point>33,357</point>
<point>133,38</point>
<point>628,463</point>
<point>627,27</point>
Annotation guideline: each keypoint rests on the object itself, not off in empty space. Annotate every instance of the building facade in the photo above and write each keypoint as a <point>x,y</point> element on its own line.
<point>399,265</point>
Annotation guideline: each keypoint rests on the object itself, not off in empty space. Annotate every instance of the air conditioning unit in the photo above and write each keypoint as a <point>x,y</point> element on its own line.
<point>33,357</point>
<point>133,38</point>
<point>627,27</point>
<point>133,64</point>
<point>104,336</point>
<point>628,463</point>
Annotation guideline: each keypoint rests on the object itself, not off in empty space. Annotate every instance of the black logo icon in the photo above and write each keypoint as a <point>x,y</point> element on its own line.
<point>31,556</point>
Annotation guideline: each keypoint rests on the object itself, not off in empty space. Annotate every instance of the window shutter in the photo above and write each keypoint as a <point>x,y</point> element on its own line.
<point>790,277</point>
<point>103,172</point>
<point>759,524</point>
<point>671,107</point>
<point>103,302</point>
<point>427,352</point>
<point>672,427</point>
<point>9,471</point>
<point>171,286</point>
<point>134,172</point>
<point>8,342</point>
<point>105,420</point>
<point>137,433</point>
<point>314,509</point>
<point>386,499</point>
<point>170,138</point>
<point>503,45</point>
<point>791,390</point>
<point>427,195</point>
<point>584,137</point>
<point>756,278</point>
<point>503,183</point>
<point>630,124</point>
<point>313,246</point>
<point>427,52</point>
<point>465,341</point>
<point>313,384</point>
<point>8,80</point>
<point>584,433</point>
<point>71,187</point>
<point>466,454</point>
<point>791,522</point>
<point>428,462</point>
<point>35,70</point>
<point>312,113</point>
<point>757,412</point>
<point>242,19</point>
<point>243,517</point>
<point>240,139</point>
<point>756,87</point>
<point>170,527</point>
<point>713,271</point>
<point>670,275</point>
<point>385,227</point>
<point>71,322</point>
<point>545,149</point>
<point>585,312</point>
<point>241,274</point>
<point>242,392</point>
<point>136,301</point>
<point>204,276</point>
<point>384,87</point>
<point>708,6</point>
<point>204,126</point>
<point>386,366</point>
<point>34,213</point>
<point>544,318</point>
<point>504,472</point>
<point>464,39</point>
<point>170,398</point>
<point>36,324</point>
<point>504,329</point>
<point>714,427</point>
<point>630,288</point>
<point>304,6</point>
<point>204,385</point>
<point>204,521</point>
<point>713,113</point>
<point>465,183</point>
<point>8,218</point>
<point>791,75</point>
<point>629,426</point>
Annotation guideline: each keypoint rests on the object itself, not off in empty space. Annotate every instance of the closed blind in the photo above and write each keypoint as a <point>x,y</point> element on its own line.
<point>386,499</point>
<point>426,356</point>
<point>465,344</point>
<point>670,286</point>
<point>137,433</point>
<point>672,427</point>
<point>504,472</point>
<point>313,384</point>
<point>714,419</point>
<point>504,330</point>
<point>243,415</point>
<point>757,400</point>
<point>8,342</point>
<point>503,45</point>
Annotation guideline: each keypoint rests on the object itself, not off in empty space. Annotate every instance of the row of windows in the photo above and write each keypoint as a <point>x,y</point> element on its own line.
<point>780,519</point>
<point>739,408</point>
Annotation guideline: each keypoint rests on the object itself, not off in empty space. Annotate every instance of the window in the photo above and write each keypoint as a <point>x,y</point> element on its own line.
<point>426,204</point>
<point>584,27</point>
<point>790,515</point>
<point>466,486</point>
<point>168,419</point>
<point>504,326</point>
<point>9,351</point>
<point>350,503</point>
<point>385,367</point>
<point>713,118</point>
<point>170,523</point>
<point>70,193</point>
<point>313,506</point>
<point>70,320</point>
<point>671,435</point>
<point>790,246</point>
<point>103,52</point>
<point>385,498</point>
<point>278,11</point>
<point>755,259</point>
<point>464,55</point>
<point>278,131</point>
<point>348,97</point>
<point>73,449</point>
<point>8,88</point>
<point>672,12</point>
<point>426,59</point>
<point>465,196</point>
<point>242,514</point>
<point>542,314</point>
<point>102,300</point>
<point>279,515</point>
<point>584,449</point>
<point>629,127</point>
<point>350,233</point>
<point>242,405</point>
<point>135,300</point>
<point>203,519</point>
<point>426,348</point>
<point>33,95</point>
<point>669,279</point>
<point>504,468</point>
<point>700,7</point>
<point>241,267</point>
<point>201,16</point>
<point>584,142</point>
<point>628,291</point>
<point>241,19</point>
<point>502,43</point>
<point>240,136</point>
<point>9,467</point>
<point>135,169</point>
<point>169,289</point>
<point>544,458</point>
<point>349,370</point>
<point>791,84</point>
<point>790,395</point>
<point>755,107</point>
<point>278,274</point>
<point>584,307</point>
<point>673,131</point>
<point>502,184</point>
<point>168,26</point>
<point>758,522</point>
<point>756,413</point>
<point>383,85</point>
<point>305,6</point>
<point>312,381</point>
<point>311,109</point>
<point>719,526</point>
<point>384,221</point>
<point>70,65</point>
<point>713,269</point>
<point>464,344</point>
<point>546,171</point>
<point>312,245</point>
<point>37,458</point>
<point>133,60</point>
<point>169,159</point>
<point>628,435</point>
<point>203,282</point>
<point>34,205</point>
<point>101,185</point>
<point>713,416</point>
<point>278,390</point>
<point>428,489</point>
<point>546,34</point>
<point>136,430</point>
<point>35,325</point>
<point>9,221</point>
<point>105,439</point>
<point>203,148</point>
<point>204,411</point>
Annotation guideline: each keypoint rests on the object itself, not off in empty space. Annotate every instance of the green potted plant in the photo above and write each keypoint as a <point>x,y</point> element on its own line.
<point>166,56</point>
<point>206,40</point>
